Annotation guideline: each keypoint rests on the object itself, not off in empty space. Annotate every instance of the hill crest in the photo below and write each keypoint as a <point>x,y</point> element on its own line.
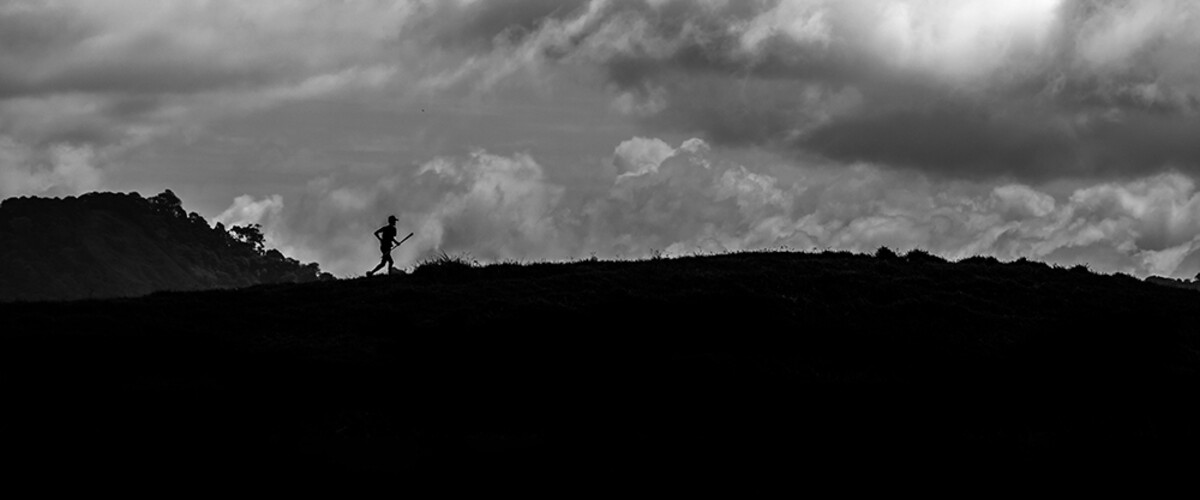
<point>105,245</point>
<point>722,364</point>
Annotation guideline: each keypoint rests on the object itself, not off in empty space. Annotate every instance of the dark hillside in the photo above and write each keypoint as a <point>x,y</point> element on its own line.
<point>102,245</point>
<point>833,369</point>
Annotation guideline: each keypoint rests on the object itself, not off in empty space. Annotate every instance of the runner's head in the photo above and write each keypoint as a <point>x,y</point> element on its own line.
<point>392,219</point>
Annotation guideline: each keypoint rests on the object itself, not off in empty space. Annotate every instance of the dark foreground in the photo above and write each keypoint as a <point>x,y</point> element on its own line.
<point>834,369</point>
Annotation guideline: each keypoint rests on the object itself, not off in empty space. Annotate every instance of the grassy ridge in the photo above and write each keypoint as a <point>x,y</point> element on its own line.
<point>756,364</point>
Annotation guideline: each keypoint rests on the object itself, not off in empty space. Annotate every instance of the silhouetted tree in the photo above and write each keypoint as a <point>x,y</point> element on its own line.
<point>251,234</point>
<point>166,202</point>
<point>918,256</point>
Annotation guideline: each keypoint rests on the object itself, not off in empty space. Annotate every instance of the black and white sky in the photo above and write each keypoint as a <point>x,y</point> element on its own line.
<point>1066,131</point>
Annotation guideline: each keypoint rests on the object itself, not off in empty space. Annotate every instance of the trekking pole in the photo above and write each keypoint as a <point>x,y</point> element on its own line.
<point>410,235</point>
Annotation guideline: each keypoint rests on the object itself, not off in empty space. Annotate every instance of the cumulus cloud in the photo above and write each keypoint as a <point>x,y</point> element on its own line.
<point>246,210</point>
<point>489,206</point>
<point>686,199</point>
<point>496,208</point>
<point>640,156</point>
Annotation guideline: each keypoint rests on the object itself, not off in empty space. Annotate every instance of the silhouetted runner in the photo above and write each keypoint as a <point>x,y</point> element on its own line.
<point>387,242</point>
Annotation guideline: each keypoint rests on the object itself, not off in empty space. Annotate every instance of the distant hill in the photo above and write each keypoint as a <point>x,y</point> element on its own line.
<point>1173,282</point>
<point>102,245</point>
<point>832,370</point>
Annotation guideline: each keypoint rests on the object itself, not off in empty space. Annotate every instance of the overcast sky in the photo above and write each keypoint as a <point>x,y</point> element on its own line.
<point>1066,131</point>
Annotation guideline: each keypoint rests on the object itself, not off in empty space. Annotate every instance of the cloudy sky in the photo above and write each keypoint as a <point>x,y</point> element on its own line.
<point>1066,131</point>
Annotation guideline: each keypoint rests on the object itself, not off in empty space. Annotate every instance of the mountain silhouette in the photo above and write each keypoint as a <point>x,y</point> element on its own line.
<point>104,245</point>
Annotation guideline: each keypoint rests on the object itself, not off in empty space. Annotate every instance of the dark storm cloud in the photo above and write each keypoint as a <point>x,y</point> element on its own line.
<point>1036,89</point>
<point>967,142</point>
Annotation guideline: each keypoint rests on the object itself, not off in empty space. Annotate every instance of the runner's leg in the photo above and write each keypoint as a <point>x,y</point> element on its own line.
<point>386,260</point>
<point>377,268</point>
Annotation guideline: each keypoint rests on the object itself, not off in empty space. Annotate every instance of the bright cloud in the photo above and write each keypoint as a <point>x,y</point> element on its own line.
<point>246,210</point>
<point>57,170</point>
